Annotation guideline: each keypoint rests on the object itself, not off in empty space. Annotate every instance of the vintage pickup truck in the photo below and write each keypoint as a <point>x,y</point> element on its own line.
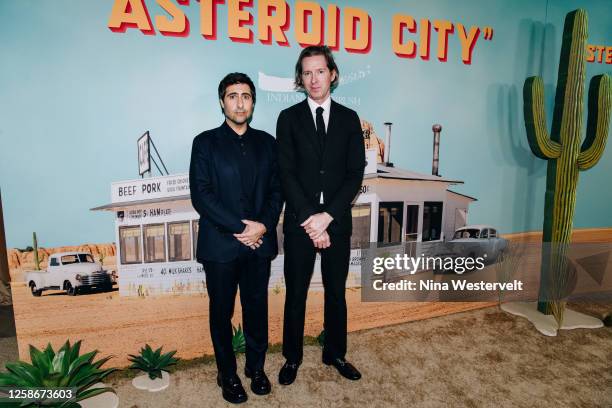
<point>69,271</point>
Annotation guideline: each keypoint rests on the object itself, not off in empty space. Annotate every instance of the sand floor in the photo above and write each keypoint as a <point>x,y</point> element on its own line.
<point>480,358</point>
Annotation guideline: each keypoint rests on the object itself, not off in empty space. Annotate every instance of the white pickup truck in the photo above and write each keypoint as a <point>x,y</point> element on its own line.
<point>69,271</point>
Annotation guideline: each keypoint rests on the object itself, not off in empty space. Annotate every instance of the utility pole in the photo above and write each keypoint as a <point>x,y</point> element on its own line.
<point>5,277</point>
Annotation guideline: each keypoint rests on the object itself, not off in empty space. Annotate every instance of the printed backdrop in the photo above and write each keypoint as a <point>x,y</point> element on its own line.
<point>81,81</point>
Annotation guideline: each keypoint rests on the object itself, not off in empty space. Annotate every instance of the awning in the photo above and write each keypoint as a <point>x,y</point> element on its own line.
<point>127,204</point>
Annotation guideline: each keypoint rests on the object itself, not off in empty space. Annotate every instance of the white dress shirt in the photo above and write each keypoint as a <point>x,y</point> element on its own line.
<point>326,105</point>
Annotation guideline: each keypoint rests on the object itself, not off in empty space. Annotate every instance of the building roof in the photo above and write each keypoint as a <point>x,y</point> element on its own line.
<point>401,174</point>
<point>383,172</point>
<point>463,195</point>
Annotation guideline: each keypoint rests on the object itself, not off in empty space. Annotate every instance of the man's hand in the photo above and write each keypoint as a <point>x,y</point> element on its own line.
<point>251,236</point>
<point>323,241</point>
<point>316,224</point>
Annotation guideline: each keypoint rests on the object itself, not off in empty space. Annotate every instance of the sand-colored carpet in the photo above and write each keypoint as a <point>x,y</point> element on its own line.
<point>479,358</point>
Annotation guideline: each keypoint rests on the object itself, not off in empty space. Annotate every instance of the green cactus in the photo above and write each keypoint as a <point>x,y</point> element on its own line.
<point>35,249</point>
<point>562,149</point>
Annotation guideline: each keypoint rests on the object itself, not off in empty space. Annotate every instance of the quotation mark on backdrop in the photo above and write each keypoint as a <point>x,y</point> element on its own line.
<point>488,33</point>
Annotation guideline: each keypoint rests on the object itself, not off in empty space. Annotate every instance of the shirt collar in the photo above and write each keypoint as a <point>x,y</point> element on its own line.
<point>233,133</point>
<point>325,105</point>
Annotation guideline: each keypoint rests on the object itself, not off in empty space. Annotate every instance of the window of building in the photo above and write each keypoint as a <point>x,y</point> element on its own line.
<point>390,221</point>
<point>129,244</point>
<point>361,214</point>
<point>179,241</point>
<point>412,222</point>
<point>195,228</point>
<point>432,220</point>
<point>154,243</point>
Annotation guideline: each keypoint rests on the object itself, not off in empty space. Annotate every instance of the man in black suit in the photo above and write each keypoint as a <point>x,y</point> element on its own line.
<point>321,160</point>
<point>236,190</point>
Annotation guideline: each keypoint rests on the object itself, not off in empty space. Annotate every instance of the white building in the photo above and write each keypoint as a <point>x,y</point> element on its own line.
<point>156,227</point>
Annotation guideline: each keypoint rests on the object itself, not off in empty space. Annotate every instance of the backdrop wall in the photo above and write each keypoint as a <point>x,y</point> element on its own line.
<point>76,95</point>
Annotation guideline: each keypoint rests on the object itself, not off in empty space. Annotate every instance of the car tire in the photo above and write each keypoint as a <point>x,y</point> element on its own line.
<point>70,290</point>
<point>35,292</point>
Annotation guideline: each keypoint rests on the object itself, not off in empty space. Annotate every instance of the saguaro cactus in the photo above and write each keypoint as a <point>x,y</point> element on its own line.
<point>566,156</point>
<point>35,246</point>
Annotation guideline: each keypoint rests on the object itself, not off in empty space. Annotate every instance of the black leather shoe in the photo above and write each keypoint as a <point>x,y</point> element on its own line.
<point>288,373</point>
<point>260,384</point>
<point>346,369</point>
<point>231,389</point>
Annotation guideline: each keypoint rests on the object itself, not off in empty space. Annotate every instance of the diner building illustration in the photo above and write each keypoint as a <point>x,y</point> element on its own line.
<point>156,227</point>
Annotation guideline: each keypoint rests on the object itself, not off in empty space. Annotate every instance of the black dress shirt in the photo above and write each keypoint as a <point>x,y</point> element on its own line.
<point>245,151</point>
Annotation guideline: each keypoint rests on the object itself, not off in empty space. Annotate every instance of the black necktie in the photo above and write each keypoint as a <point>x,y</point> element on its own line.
<point>320,127</point>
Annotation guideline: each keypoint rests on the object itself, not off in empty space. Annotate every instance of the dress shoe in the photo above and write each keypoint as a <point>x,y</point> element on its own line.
<point>288,373</point>
<point>345,368</point>
<point>260,384</point>
<point>231,389</point>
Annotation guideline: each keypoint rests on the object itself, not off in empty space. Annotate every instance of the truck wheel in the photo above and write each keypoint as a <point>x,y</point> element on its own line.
<point>70,290</point>
<point>35,292</point>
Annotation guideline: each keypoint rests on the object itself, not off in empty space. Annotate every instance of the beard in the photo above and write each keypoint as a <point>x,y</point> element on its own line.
<point>239,119</point>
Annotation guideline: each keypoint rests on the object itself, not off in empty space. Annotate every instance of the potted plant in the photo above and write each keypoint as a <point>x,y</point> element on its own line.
<point>238,340</point>
<point>64,369</point>
<point>155,365</point>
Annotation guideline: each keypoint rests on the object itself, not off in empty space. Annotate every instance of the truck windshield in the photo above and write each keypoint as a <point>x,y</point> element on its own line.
<point>77,258</point>
<point>86,258</point>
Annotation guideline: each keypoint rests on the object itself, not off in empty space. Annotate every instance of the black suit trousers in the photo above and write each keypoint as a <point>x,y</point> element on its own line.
<point>251,274</point>
<point>298,267</point>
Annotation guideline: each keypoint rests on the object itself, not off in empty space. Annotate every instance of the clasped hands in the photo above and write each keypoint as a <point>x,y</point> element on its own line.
<point>316,228</point>
<point>252,234</point>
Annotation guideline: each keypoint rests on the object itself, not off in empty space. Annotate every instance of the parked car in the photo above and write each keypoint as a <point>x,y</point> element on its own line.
<point>478,241</point>
<point>69,271</point>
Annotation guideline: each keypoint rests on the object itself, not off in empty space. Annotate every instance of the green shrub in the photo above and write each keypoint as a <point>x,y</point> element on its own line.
<point>321,338</point>
<point>152,362</point>
<point>66,368</point>
<point>238,341</point>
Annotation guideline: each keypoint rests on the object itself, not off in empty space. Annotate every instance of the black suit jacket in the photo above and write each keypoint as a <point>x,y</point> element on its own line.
<point>306,170</point>
<point>216,191</point>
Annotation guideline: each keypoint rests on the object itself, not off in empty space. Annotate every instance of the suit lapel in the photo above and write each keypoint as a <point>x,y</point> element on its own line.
<point>309,126</point>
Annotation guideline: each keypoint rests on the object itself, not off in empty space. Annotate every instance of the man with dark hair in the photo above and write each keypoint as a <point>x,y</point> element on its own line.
<point>321,160</point>
<point>235,188</point>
